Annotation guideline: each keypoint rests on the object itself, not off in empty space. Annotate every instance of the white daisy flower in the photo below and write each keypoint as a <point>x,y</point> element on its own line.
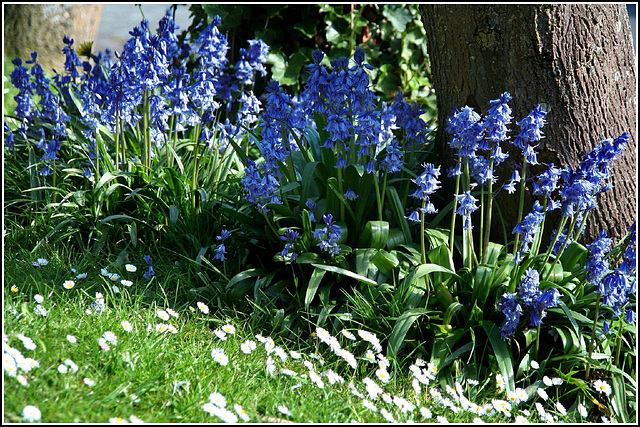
<point>387,415</point>
<point>218,355</point>
<point>217,399</point>
<point>68,284</point>
<point>543,394</point>
<point>534,364</point>
<point>172,313</point>
<point>284,410</point>
<point>248,346</point>
<point>602,387</point>
<point>425,412</point>
<point>295,355</point>
<point>220,334</point>
<point>130,268</point>
<point>103,344</point>
<point>81,276</point>
<point>117,420</point>
<point>521,420</point>
<point>63,369</point>
<point>348,335</point>
<point>135,420</point>
<point>89,382</point>
<point>41,310</point>
<point>110,337</point>
<point>22,379</point>
<point>126,325</point>
<point>582,410</point>
<point>241,412</point>
<point>442,419</point>
<point>27,342</point>
<point>71,365</point>
<point>31,413</point>
<point>556,381</point>
<point>370,406</point>
<point>383,375</point>
<point>127,283</point>
<point>115,289</point>
<point>114,277</point>
<point>203,307</point>
<point>163,315</point>
<point>38,298</point>
<point>561,409</point>
<point>229,329</point>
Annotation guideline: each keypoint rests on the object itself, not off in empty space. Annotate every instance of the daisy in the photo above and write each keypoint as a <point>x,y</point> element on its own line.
<point>126,325</point>
<point>22,379</point>
<point>241,412</point>
<point>370,406</point>
<point>556,381</point>
<point>172,313</point>
<point>547,381</point>
<point>162,327</point>
<point>284,410</point>
<point>370,356</point>
<point>521,420</point>
<point>295,355</point>
<point>248,346</point>
<point>478,420</point>
<point>602,387</point>
<point>582,410</point>
<point>163,315</point>
<point>218,355</point>
<point>425,412</point>
<point>110,337</point>
<point>534,364</point>
<point>203,307</point>
<point>68,284</point>
<point>14,288</point>
<point>42,261</point>
<point>383,375</point>
<point>115,289</point>
<point>114,277</point>
<point>130,268</point>
<point>543,394</point>
<point>81,276</point>
<point>348,335</point>
<point>38,298</point>
<point>220,334</point>
<point>500,382</point>
<point>27,342</point>
<point>217,399</point>
<point>229,329</point>
<point>135,420</point>
<point>71,365</point>
<point>9,365</point>
<point>117,420</point>
<point>31,413</point>
<point>442,419</point>
<point>41,310</point>
<point>560,407</point>
<point>89,382</point>
<point>387,415</point>
<point>103,344</point>
<point>127,283</point>
<point>63,369</point>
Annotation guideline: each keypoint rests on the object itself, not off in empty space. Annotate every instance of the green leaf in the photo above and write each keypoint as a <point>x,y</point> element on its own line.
<point>314,282</point>
<point>574,254</point>
<point>398,213</point>
<point>385,261</point>
<point>174,212</point>
<point>344,272</point>
<point>501,352</point>
<point>453,308</point>
<point>398,15</point>
<point>400,329</point>
<point>307,27</point>
<point>293,66</point>
<point>243,275</point>
<point>375,234</point>
<point>279,64</point>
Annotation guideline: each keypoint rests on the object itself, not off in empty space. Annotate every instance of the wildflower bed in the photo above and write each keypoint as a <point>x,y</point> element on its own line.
<point>96,351</point>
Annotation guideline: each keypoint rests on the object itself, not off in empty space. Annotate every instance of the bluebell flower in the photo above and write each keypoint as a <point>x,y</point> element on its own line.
<point>329,236</point>
<point>528,228</point>
<point>510,307</point>
<point>392,162</point>
<point>148,260</point>
<point>597,265</point>
<point>630,316</point>
<point>628,265</point>
<point>607,328</point>
<point>149,273</point>
<point>350,195</point>
<point>220,252</point>
<point>498,117</point>
<point>614,290</point>
<point>252,60</point>
<point>467,205</point>
<point>562,236</point>
<point>290,236</point>
<point>529,286</point>
<point>224,234</point>
<point>466,129</point>
<point>546,299</point>
<point>414,216</point>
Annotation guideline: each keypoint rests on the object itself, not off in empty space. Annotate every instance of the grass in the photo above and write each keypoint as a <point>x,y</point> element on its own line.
<point>165,377</point>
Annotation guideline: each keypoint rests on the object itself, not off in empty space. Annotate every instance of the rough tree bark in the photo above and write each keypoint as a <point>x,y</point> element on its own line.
<point>41,27</point>
<point>577,59</point>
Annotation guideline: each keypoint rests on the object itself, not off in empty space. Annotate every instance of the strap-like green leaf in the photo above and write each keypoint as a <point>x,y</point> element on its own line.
<point>501,352</point>
<point>375,234</point>
<point>344,272</point>
<point>400,329</point>
<point>314,282</point>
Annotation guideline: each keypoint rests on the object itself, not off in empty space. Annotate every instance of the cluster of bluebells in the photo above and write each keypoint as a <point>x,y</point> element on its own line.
<point>530,296</point>
<point>360,131</point>
<point>153,70</point>
<point>528,228</point>
<point>428,183</point>
<point>618,285</point>
<point>328,236</point>
<point>288,253</point>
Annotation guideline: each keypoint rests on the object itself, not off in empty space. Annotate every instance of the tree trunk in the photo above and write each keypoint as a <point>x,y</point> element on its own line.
<point>577,59</point>
<point>41,27</point>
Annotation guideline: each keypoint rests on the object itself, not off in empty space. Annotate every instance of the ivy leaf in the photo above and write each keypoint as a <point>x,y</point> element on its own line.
<point>398,16</point>
<point>279,65</point>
